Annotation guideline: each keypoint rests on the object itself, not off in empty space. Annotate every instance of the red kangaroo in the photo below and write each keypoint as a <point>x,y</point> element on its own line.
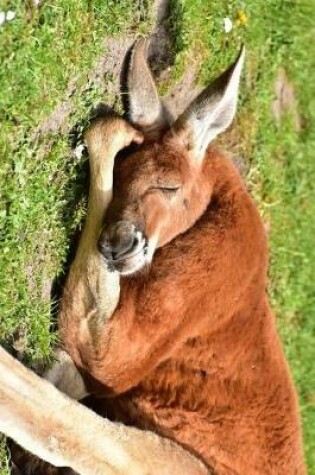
<point>191,351</point>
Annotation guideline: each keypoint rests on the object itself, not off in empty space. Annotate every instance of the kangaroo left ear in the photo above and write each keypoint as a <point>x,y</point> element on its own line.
<point>146,110</point>
<point>212,111</point>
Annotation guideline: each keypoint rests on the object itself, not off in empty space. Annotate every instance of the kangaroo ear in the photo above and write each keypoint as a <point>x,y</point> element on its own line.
<point>212,111</point>
<point>146,111</point>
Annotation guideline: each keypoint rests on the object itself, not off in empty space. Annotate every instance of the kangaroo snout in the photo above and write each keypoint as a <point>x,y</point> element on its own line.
<point>120,240</point>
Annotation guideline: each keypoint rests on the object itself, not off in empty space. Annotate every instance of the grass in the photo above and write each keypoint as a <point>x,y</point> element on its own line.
<point>46,58</point>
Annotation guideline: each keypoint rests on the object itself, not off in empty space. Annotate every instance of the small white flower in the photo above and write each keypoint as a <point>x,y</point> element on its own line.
<point>6,16</point>
<point>78,151</point>
<point>2,18</point>
<point>228,25</point>
<point>10,15</point>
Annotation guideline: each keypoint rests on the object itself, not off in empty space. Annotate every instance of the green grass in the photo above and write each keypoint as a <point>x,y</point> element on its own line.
<point>46,57</point>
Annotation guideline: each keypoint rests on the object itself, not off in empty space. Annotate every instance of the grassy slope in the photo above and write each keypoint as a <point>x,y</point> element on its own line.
<point>42,197</point>
<point>45,54</point>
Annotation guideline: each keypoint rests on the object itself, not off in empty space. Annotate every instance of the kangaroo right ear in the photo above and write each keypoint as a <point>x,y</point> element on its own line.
<point>212,111</point>
<point>146,110</point>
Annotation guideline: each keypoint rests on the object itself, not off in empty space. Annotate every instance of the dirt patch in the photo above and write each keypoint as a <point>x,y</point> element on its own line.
<point>161,52</point>
<point>285,101</point>
<point>110,64</point>
<point>107,71</point>
<point>31,270</point>
<point>182,94</point>
<point>162,56</point>
<point>55,122</point>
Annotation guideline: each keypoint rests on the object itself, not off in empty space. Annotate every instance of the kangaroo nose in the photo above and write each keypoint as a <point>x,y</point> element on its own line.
<point>117,240</point>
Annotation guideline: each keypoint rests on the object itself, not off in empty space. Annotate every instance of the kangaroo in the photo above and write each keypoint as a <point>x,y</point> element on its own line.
<point>165,312</point>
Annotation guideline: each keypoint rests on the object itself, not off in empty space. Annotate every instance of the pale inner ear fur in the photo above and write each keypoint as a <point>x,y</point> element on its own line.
<point>212,111</point>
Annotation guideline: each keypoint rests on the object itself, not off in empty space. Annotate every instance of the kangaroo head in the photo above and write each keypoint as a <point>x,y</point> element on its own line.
<point>161,189</point>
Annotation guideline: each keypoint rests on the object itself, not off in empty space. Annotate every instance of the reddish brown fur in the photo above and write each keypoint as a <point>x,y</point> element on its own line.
<point>192,350</point>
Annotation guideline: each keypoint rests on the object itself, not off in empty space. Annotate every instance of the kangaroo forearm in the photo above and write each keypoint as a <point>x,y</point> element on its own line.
<point>89,279</point>
<point>91,291</point>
